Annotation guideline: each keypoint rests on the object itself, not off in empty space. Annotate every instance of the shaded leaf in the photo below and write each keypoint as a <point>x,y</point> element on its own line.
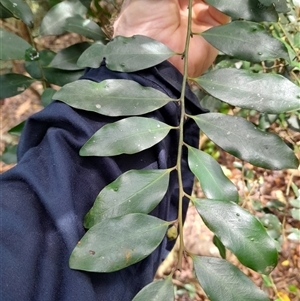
<point>17,130</point>
<point>66,59</point>
<point>222,281</point>
<point>240,232</point>
<point>55,19</point>
<point>280,5</point>
<point>242,139</point>
<point>47,96</point>
<point>158,290</point>
<point>116,243</point>
<point>295,212</point>
<point>13,84</point>
<point>127,136</point>
<point>270,93</point>
<point>136,191</point>
<point>213,182</point>
<point>252,10</point>
<point>112,97</point>
<point>126,54</point>
<point>5,13</point>
<point>85,27</point>
<point>246,41</point>
<point>222,250</point>
<point>12,46</point>
<point>9,155</point>
<point>20,9</point>
<point>61,77</point>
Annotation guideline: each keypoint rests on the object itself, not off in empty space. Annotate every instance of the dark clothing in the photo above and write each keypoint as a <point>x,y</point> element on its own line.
<point>46,196</point>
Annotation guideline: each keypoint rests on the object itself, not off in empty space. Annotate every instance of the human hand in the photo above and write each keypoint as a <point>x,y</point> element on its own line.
<point>166,21</point>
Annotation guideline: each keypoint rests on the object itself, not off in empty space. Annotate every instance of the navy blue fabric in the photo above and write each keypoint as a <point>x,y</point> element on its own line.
<point>46,196</point>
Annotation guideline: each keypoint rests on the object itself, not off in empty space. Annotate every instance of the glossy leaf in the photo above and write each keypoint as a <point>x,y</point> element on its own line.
<point>136,191</point>
<point>112,97</point>
<point>84,27</point>
<point>211,177</point>
<point>116,243</point>
<point>269,93</point>
<point>13,84</point>
<point>55,20</point>
<point>127,136</point>
<point>240,232</point>
<point>242,139</point>
<point>66,59</point>
<point>246,41</point>
<point>126,54</point>
<point>252,10</point>
<point>20,9</point>
<point>5,13</point>
<point>12,46</point>
<point>158,290</point>
<point>222,281</point>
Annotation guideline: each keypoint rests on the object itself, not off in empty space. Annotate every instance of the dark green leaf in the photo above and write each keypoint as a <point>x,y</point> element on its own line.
<point>240,232</point>
<point>112,97</point>
<point>159,290</point>
<point>9,155</point>
<point>222,281</point>
<point>66,59</point>
<point>12,46</point>
<point>213,182</point>
<point>61,77</point>
<point>242,139</point>
<point>127,136</point>
<point>86,3</point>
<point>280,5</point>
<point>252,10</point>
<point>5,13</point>
<point>12,84</point>
<point>17,130</point>
<point>55,20</point>
<point>126,54</point>
<point>222,250</point>
<point>136,191</point>
<point>246,41</point>
<point>116,243</point>
<point>270,93</point>
<point>84,27</point>
<point>47,96</point>
<point>20,9</point>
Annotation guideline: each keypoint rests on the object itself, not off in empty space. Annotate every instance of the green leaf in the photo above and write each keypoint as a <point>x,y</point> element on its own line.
<point>295,212</point>
<point>13,84</point>
<point>222,250</point>
<point>136,191</point>
<point>242,139</point>
<point>127,136</point>
<point>126,54</point>
<point>222,281</point>
<point>112,97</point>
<point>213,182</point>
<point>270,93</point>
<point>116,243</point>
<point>252,10</point>
<point>12,46</point>
<point>280,5</point>
<point>158,290</point>
<point>85,27</point>
<point>20,9</point>
<point>66,59</point>
<point>61,77</point>
<point>47,96</point>
<point>55,20</point>
<point>246,41</point>
<point>5,13</point>
<point>17,130</point>
<point>240,232</point>
<point>9,155</point>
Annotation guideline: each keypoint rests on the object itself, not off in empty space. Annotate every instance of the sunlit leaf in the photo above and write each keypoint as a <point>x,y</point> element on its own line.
<point>85,27</point>
<point>214,183</point>
<point>136,191</point>
<point>112,97</point>
<point>160,290</point>
<point>12,84</point>
<point>127,136</point>
<point>116,243</point>
<point>240,232</point>
<point>270,93</point>
<point>66,59</point>
<point>252,10</point>
<point>55,20</point>
<point>12,46</point>
<point>246,41</point>
<point>126,54</point>
<point>222,281</point>
<point>20,9</point>
<point>242,139</point>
